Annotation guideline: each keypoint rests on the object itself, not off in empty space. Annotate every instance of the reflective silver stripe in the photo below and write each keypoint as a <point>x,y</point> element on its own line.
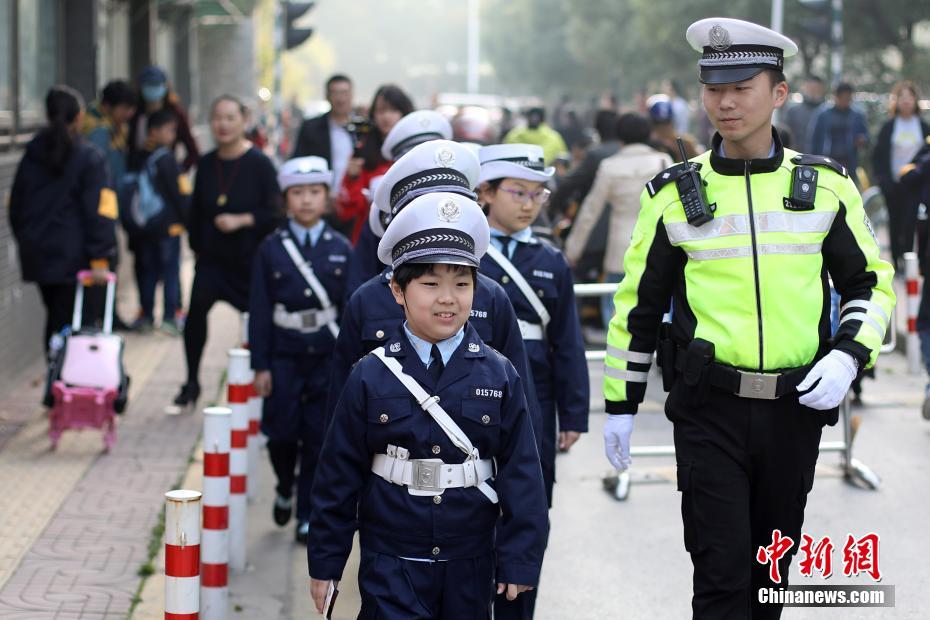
<point>790,248</point>
<point>866,319</point>
<point>727,225</point>
<point>783,221</point>
<point>625,375</point>
<point>865,305</point>
<point>724,226</point>
<point>739,252</point>
<point>629,356</point>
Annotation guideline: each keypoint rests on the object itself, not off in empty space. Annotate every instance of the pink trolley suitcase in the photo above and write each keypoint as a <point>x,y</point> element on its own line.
<point>90,386</point>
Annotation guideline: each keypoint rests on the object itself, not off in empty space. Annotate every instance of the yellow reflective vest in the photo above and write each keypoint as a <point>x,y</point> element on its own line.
<point>755,280</point>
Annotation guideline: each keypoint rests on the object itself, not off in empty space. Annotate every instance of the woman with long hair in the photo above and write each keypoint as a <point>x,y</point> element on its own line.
<point>233,207</point>
<point>388,106</point>
<point>61,211</point>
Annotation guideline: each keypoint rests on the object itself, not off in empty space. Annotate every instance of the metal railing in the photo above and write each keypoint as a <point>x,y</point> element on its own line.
<point>854,471</point>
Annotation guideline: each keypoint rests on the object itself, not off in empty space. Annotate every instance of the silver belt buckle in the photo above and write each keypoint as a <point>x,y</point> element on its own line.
<point>308,319</point>
<point>757,385</point>
<point>426,475</point>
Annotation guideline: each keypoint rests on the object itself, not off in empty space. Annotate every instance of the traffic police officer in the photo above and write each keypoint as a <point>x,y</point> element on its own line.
<point>431,452</point>
<point>538,281</point>
<point>413,129</point>
<point>298,278</point>
<point>371,316</point>
<point>744,245</point>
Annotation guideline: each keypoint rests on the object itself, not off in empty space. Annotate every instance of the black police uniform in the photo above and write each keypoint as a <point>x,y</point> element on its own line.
<point>371,316</point>
<point>365,264</point>
<point>293,415</point>
<point>468,542</point>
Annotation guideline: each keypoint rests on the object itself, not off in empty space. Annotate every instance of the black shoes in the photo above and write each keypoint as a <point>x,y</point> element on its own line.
<point>282,510</point>
<point>188,395</point>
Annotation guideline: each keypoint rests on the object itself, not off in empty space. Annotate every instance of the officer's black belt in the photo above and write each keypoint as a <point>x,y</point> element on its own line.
<point>748,384</point>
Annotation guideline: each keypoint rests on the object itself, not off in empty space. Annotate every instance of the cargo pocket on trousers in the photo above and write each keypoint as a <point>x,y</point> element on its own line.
<point>688,516</point>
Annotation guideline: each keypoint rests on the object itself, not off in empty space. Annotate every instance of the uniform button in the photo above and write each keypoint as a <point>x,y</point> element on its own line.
<point>486,418</point>
<point>436,549</point>
<point>437,499</point>
<point>307,292</point>
<point>277,275</point>
<point>436,450</point>
<point>379,334</point>
<point>541,292</point>
<point>384,418</point>
<point>338,271</point>
<point>505,279</point>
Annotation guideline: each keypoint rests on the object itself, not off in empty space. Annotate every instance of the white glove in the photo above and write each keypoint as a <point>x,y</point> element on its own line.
<point>617,433</point>
<point>836,372</point>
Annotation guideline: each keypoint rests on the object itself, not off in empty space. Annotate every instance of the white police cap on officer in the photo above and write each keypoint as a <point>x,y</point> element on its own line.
<point>514,161</point>
<point>436,228</point>
<point>734,50</point>
<point>304,171</point>
<point>435,166</point>
<point>415,128</point>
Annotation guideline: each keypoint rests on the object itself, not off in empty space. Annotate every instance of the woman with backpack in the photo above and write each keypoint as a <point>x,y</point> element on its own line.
<point>61,211</point>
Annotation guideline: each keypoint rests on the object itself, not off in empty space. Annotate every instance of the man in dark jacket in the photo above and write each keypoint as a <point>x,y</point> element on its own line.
<point>326,136</point>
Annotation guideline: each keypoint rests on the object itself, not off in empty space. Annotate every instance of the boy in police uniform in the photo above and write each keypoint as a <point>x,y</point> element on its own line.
<point>431,451</point>
<point>371,316</point>
<point>539,283</point>
<point>744,246</point>
<point>298,276</point>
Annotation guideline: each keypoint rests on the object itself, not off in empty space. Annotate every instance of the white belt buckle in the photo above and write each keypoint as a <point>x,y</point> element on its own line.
<point>426,475</point>
<point>757,385</point>
<point>308,319</point>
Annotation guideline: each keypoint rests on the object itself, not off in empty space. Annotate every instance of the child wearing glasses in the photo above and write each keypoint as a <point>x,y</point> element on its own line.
<point>538,281</point>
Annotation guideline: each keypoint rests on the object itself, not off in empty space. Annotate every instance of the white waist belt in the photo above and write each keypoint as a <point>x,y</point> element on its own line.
<point>429,476</point>
<point>305,321</point>
<point>530,331</point>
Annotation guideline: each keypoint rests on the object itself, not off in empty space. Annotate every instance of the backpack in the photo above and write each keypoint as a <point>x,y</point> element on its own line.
<point>139,199</point>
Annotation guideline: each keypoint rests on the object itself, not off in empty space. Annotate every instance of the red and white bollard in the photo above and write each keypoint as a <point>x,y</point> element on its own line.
<point>214,581</point>
<point>254,441</point>
<point>239,379</point>
<point>912,274</point>
<point>182,555</point>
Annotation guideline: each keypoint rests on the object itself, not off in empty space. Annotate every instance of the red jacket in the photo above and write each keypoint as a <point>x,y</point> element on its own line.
<point>351,204</point>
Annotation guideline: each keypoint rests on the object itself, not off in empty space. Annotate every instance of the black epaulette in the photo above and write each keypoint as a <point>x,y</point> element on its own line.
<point>820,160</point>
<point>665,177</point>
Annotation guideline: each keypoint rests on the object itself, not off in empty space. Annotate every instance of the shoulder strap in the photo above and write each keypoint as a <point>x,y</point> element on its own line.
<point>430,405</point>
<point>521,283</point>
<point>665,177</point>
<point>311,279</point>
<point>820,160</point>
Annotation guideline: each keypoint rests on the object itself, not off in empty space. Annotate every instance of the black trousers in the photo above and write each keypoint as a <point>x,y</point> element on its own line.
<point>745,467</point>
<point>211,284</point>
<point>58,300</point>
<point>902,208</point>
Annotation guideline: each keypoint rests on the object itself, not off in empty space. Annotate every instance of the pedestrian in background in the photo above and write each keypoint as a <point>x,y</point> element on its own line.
<point>326,135</point>
<point>106,125</point>
<point>840,131</point>
<point>388,106</point>
<point>800,116</point>
<point>61,211</point>
<point>537,132</point>
<point>619,182</point>
<point>899,140</point>
<point>298,284</point>
<point>155,94</point>
<point>234,206</point>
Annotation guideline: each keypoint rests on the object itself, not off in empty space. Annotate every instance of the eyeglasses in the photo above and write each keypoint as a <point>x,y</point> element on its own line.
<point>540,196</point>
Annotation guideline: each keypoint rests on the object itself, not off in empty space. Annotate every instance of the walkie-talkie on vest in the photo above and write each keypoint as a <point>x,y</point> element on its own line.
<point>691,191</point>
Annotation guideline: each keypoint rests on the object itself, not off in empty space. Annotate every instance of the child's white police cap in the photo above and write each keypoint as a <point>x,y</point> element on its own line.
<point>435,166</point>
<point>415,128</point>
<point>304,171</point>
<point>436,228</point>
<point>514,161</point>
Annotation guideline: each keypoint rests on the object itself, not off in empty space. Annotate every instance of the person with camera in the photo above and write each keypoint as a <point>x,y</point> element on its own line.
<point>388,106</point>
<point>326,135</point>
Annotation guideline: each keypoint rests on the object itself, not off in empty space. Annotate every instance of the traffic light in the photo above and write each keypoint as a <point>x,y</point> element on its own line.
<point>816,18</point>
<point>293,10</point>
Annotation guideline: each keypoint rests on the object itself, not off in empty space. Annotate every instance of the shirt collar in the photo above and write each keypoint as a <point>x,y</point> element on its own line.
<point>446,347</point>
<point>524,236</point>
<point>301,232</point>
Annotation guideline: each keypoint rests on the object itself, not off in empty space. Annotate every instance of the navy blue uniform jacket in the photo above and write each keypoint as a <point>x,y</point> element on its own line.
<point>558,362</point>
<point>371,315</point>
<point>365,263</point>
<point>376,410</point>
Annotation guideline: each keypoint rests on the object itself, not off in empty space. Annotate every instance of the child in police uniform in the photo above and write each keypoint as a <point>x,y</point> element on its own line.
<point>538,281</point>
<point>408,454</point>
<point>298,275</point>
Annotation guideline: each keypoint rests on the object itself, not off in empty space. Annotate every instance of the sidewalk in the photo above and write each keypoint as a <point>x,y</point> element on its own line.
<point>75,524</point>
